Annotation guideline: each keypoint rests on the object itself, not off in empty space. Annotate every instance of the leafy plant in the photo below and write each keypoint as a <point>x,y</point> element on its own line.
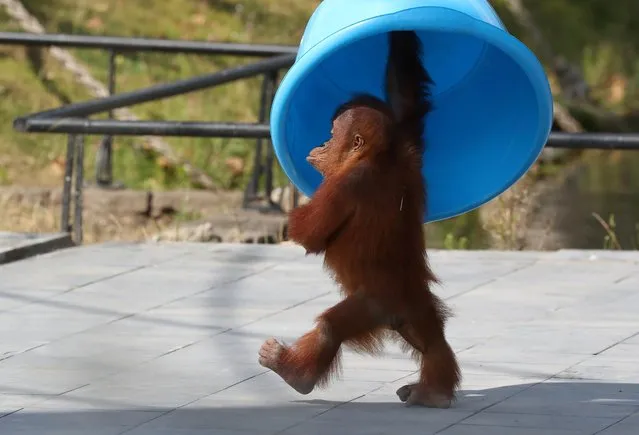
<point>610,239</point>
<point>452,242</point>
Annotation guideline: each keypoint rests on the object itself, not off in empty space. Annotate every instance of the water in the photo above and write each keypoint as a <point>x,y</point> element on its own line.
<point>606,183</point>
<point>601,182</point>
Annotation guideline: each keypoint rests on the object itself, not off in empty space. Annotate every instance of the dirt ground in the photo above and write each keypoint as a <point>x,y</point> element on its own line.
<point>111,215</point>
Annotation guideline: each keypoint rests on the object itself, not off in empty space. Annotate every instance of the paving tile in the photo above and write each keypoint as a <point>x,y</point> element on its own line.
<point>603,368</point>
<point>233,418</point>
<point>163,339</point>
<point>563,399</point>
<point>467,429</point>
<point>382,417</point>
<point>163,430</point>
<point>547,422</point>
<point>627,426</point>
<point>101,423</point>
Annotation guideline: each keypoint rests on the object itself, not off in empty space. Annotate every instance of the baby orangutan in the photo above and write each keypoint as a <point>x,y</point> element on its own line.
<point>367,219</point>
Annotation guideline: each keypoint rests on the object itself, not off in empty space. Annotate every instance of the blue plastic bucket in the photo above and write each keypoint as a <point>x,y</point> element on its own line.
<point>493,105</point>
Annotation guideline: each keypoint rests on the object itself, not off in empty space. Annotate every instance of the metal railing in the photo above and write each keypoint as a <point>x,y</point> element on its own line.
<point>73,119</point>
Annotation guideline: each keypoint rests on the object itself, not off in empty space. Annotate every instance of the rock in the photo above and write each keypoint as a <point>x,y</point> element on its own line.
<point>282,197</point>
<point>191,233</point>
<point>235,165</point>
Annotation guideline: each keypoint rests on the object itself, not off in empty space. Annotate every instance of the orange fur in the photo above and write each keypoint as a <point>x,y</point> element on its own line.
<point>367,219</point>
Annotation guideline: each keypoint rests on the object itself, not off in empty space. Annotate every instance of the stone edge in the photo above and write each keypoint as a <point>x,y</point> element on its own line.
<point>42,245</point>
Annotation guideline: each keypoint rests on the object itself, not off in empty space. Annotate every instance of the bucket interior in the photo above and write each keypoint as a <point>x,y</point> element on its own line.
<point>480,137</point>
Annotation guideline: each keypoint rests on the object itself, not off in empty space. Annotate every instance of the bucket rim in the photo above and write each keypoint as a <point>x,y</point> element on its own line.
<point>424,18</point>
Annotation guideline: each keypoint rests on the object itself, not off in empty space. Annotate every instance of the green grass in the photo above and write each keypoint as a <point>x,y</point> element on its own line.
<point>29,83</point>
<point>23,89</point>
<point>599,35</point>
